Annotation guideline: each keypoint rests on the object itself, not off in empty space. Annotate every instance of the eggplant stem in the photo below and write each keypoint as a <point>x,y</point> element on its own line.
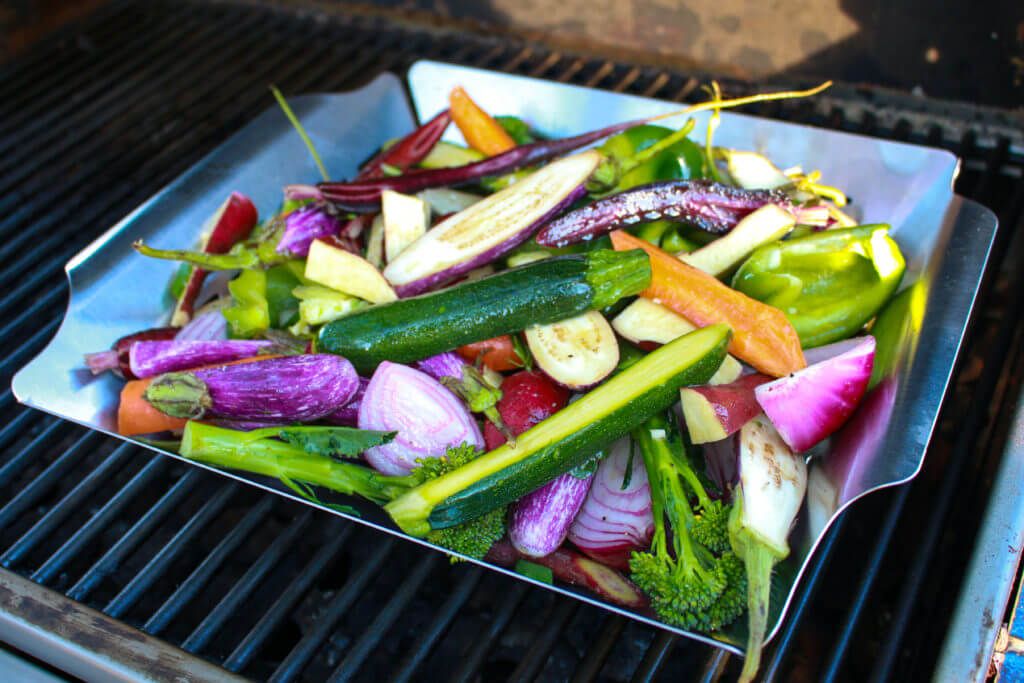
<point>759,560</point>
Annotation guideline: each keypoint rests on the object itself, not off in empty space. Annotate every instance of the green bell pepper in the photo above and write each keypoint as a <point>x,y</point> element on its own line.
<point>829,284</point>
<point>682,161</point>
<point>261,299</point>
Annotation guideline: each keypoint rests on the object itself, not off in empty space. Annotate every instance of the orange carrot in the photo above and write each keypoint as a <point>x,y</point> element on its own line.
<point>136,416</point>
<point>498,354</point>
<point>482,132</point>
<point>762,336</point>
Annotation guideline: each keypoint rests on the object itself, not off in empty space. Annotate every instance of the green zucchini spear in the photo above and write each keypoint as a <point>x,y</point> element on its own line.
<point>565,439</point>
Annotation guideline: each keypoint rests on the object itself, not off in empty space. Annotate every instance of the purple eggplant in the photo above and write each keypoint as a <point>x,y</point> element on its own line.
<point>427,417</point>
<point>304,225</point>
<point>710,206</point>
<point>152,358</point>
<point>540,520</point>
<point>348,414</point>
<point>289,388</point>
<point>491,227</point>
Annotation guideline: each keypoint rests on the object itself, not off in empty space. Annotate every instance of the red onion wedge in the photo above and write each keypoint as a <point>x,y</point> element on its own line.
<point>616,516</point>
<point>491,227</point>
<point>285,388</point>
<point>152,358</point>
<point>427,417</point>
<point>810,404</point>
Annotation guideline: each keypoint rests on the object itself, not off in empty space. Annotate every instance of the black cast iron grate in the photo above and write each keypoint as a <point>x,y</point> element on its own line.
<point>104,114</point>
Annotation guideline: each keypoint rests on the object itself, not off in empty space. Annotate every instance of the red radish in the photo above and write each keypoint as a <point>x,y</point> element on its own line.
<point>713,412</point>
<point>573,568</point>
<point>616,517</point>
<point>527,398</point>
<point>232,222</point>
<point>810,404</point>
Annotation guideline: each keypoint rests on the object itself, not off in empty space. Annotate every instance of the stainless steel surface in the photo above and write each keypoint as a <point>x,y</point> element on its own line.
<point>995,561</point>
<point>88,644</point>
<point>115,292</point>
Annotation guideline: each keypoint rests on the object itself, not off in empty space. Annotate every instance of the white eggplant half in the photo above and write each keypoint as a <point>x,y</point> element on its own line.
<point>491,227</point>
<point>577,352</point>
<point>772,484</point>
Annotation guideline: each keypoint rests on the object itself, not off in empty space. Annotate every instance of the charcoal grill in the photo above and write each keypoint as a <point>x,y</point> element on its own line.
<point>118,563</point>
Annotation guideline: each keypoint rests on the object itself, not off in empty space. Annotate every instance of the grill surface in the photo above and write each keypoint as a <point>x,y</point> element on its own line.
<point>103,115</point>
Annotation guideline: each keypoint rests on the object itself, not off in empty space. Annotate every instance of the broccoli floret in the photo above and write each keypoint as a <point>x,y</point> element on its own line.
<point>711,527</point>
<point>475,537</point>
<point>698,583</point>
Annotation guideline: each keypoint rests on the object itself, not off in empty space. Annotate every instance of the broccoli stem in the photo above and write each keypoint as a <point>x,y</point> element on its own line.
<point>663,471</point>
<point>256,453</point>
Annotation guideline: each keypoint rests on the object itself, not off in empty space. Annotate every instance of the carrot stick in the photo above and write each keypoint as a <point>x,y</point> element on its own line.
<point>136,416</point>
<point>762,336</point>
<point>482,132</point>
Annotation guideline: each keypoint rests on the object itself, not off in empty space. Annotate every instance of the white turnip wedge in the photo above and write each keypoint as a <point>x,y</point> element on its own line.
<point>767,224</point>
<point>647,324</point>
<point>405,220</point>
<point>491,227</point>
<point>347,273</point>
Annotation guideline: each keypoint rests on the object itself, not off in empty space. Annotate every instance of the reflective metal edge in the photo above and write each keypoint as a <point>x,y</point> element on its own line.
<point>991,574</point>
<point>89,644</point>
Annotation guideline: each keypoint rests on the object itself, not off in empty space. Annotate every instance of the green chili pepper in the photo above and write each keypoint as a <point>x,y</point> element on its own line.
<point>829,284</point>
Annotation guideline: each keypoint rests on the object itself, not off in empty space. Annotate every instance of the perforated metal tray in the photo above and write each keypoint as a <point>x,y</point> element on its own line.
<point>945,238</point>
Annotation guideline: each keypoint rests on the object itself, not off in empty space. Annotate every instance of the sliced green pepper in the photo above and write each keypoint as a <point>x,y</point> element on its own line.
<point>829,284</point>
<point>261,298</point>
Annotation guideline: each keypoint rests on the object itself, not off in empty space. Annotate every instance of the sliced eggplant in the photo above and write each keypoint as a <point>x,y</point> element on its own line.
<point>577,352</point>
<point>491,227</point>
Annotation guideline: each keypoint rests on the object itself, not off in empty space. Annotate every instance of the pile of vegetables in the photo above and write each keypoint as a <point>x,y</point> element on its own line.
<point>604,366</point>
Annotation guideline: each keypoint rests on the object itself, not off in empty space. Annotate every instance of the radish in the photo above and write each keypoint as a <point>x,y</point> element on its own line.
<point>527,398</point>
<point>714,412</point>
<point>814,402</point>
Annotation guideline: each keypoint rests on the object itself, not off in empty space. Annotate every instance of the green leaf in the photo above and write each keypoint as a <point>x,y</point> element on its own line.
<point>336,442</point>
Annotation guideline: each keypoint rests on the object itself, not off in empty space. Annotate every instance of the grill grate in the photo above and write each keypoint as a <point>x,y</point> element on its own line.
<point>101,117</point>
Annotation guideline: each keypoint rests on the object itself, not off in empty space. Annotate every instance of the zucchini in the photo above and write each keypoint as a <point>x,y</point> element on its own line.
<point>564,440</point>
<point>546,291</point>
